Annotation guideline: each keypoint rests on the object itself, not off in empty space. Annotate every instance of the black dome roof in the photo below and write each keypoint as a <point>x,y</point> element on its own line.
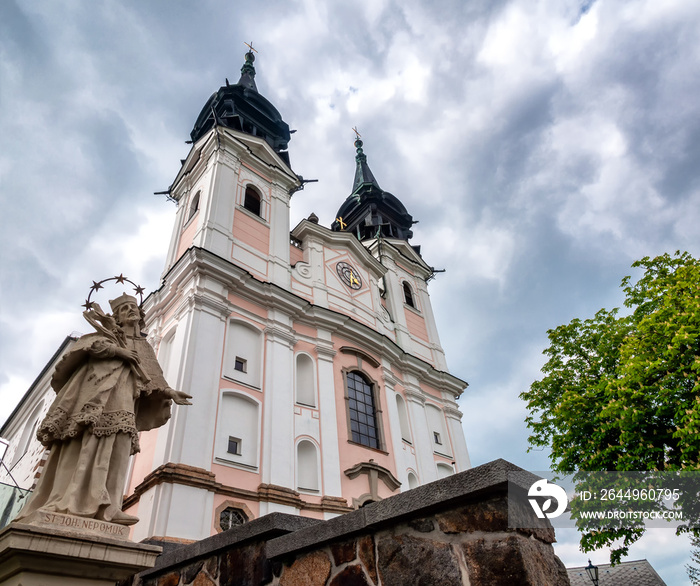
<point>370,211</point>
<point>242,108</point>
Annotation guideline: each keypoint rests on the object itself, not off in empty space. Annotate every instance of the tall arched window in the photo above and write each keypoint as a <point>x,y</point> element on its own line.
<point>408,295</point>
<point>305,388</point>
<point>364,427</point>
<point>307,466</point>
<point>194,206</point>
<point>251,200</point>
<point>412,480</point>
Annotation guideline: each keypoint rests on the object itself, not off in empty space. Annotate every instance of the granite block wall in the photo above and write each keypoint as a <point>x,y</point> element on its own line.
<point>453,531</point>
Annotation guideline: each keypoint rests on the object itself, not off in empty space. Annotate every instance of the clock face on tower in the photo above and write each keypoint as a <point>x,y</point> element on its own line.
<point>349,275</point>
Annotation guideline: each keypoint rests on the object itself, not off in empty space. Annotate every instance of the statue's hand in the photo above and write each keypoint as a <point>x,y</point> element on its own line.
<point>178,396</point>
<point>127,355</point>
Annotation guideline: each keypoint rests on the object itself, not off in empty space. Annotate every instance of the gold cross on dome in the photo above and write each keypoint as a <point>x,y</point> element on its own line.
<point>342,224</point>
<point>354,129</point>
<point>250,46</point>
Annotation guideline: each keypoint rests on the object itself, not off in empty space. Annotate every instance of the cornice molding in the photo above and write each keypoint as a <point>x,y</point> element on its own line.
<point>231,160</point>
<point>394,249</point>
<point>415,395</point>
<point>389,377</point>
<point>361,354</point>
<point>219,308</point>
<point>275,333</point>
<point>197,262</point>
<point>374,471</point>
<point>453,413</point>
<point>183,474</point>
<point>325,350</point>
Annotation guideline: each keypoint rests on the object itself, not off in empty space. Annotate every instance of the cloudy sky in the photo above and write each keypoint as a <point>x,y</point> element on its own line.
<point>543,145</point>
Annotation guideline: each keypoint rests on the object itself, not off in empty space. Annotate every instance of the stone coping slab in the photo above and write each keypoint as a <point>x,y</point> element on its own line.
<point>262,529</point>
<point>459,488</point>
<point>63,552</point>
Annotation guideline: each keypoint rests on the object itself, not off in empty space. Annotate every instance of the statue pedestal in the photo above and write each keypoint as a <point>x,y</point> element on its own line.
<point>66,555</point>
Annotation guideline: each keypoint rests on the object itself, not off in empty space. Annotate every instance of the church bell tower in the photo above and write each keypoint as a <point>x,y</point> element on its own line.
<point>318,379</point>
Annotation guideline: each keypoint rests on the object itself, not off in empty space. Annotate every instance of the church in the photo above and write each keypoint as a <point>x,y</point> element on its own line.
<point>312,355</point>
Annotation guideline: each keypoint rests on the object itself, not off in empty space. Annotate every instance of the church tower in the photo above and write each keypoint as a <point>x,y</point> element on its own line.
<point>318,379</point>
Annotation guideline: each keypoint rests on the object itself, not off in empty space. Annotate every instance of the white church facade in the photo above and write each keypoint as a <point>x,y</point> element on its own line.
<point>312,355</point>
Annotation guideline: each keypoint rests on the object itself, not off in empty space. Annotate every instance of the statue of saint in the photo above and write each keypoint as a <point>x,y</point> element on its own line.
<point>109,387</point>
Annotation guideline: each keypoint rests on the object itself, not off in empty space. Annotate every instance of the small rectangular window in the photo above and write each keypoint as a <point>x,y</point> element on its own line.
<point>234,446</point>
<point>241,364</point>
<point>436,435</point>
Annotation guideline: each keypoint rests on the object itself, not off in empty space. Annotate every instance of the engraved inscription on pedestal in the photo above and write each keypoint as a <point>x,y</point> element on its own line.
<point>80,524</point>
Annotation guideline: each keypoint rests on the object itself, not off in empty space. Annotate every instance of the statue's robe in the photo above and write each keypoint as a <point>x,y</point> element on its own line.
<point>92,427</point>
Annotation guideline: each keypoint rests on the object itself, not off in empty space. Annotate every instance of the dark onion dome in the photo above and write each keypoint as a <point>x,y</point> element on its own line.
<point>240,107</point>
<point>370,212</point>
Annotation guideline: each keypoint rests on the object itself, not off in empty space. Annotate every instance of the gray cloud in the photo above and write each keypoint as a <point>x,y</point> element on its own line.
<point>542,147</point>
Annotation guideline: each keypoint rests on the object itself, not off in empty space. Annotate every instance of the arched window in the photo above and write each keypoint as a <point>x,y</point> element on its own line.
<point>165,356</point>
<point>237,436</point>
<point>251,200</point>
<point>243,352</point>
<point>194,206</point>
<point>444,470</point>
<point>305,388</point>
<point>403,419</point>
<point>408,295</point>
<point>412,480</point>
<point>307,466</point>
<point>28,434</point>
<point>362,410</point>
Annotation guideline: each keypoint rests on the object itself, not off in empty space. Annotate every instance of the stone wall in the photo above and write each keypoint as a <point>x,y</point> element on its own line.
<point>453,531</point>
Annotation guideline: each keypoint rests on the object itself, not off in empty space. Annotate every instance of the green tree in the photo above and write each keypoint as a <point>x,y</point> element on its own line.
<point>622,392</point>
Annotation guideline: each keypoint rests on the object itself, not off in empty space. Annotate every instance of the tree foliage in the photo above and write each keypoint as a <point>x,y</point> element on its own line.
<point>621,392</point>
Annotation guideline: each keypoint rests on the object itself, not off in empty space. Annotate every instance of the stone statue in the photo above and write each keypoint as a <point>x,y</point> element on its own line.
<point>109,387</point>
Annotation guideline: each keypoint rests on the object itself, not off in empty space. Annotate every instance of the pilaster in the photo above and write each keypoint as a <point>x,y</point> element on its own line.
<point>330,451</point>
<point>188,437</point>
<point>422,439</point>
<point>279,237</point>
<point>174,238</point>
<point>394,299</point>
<point>453,416</point>
<point>278,397</point>
<point>429,317</point>
<point>216,234</point>
<point>400,455</point>
<point>314,256</point>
